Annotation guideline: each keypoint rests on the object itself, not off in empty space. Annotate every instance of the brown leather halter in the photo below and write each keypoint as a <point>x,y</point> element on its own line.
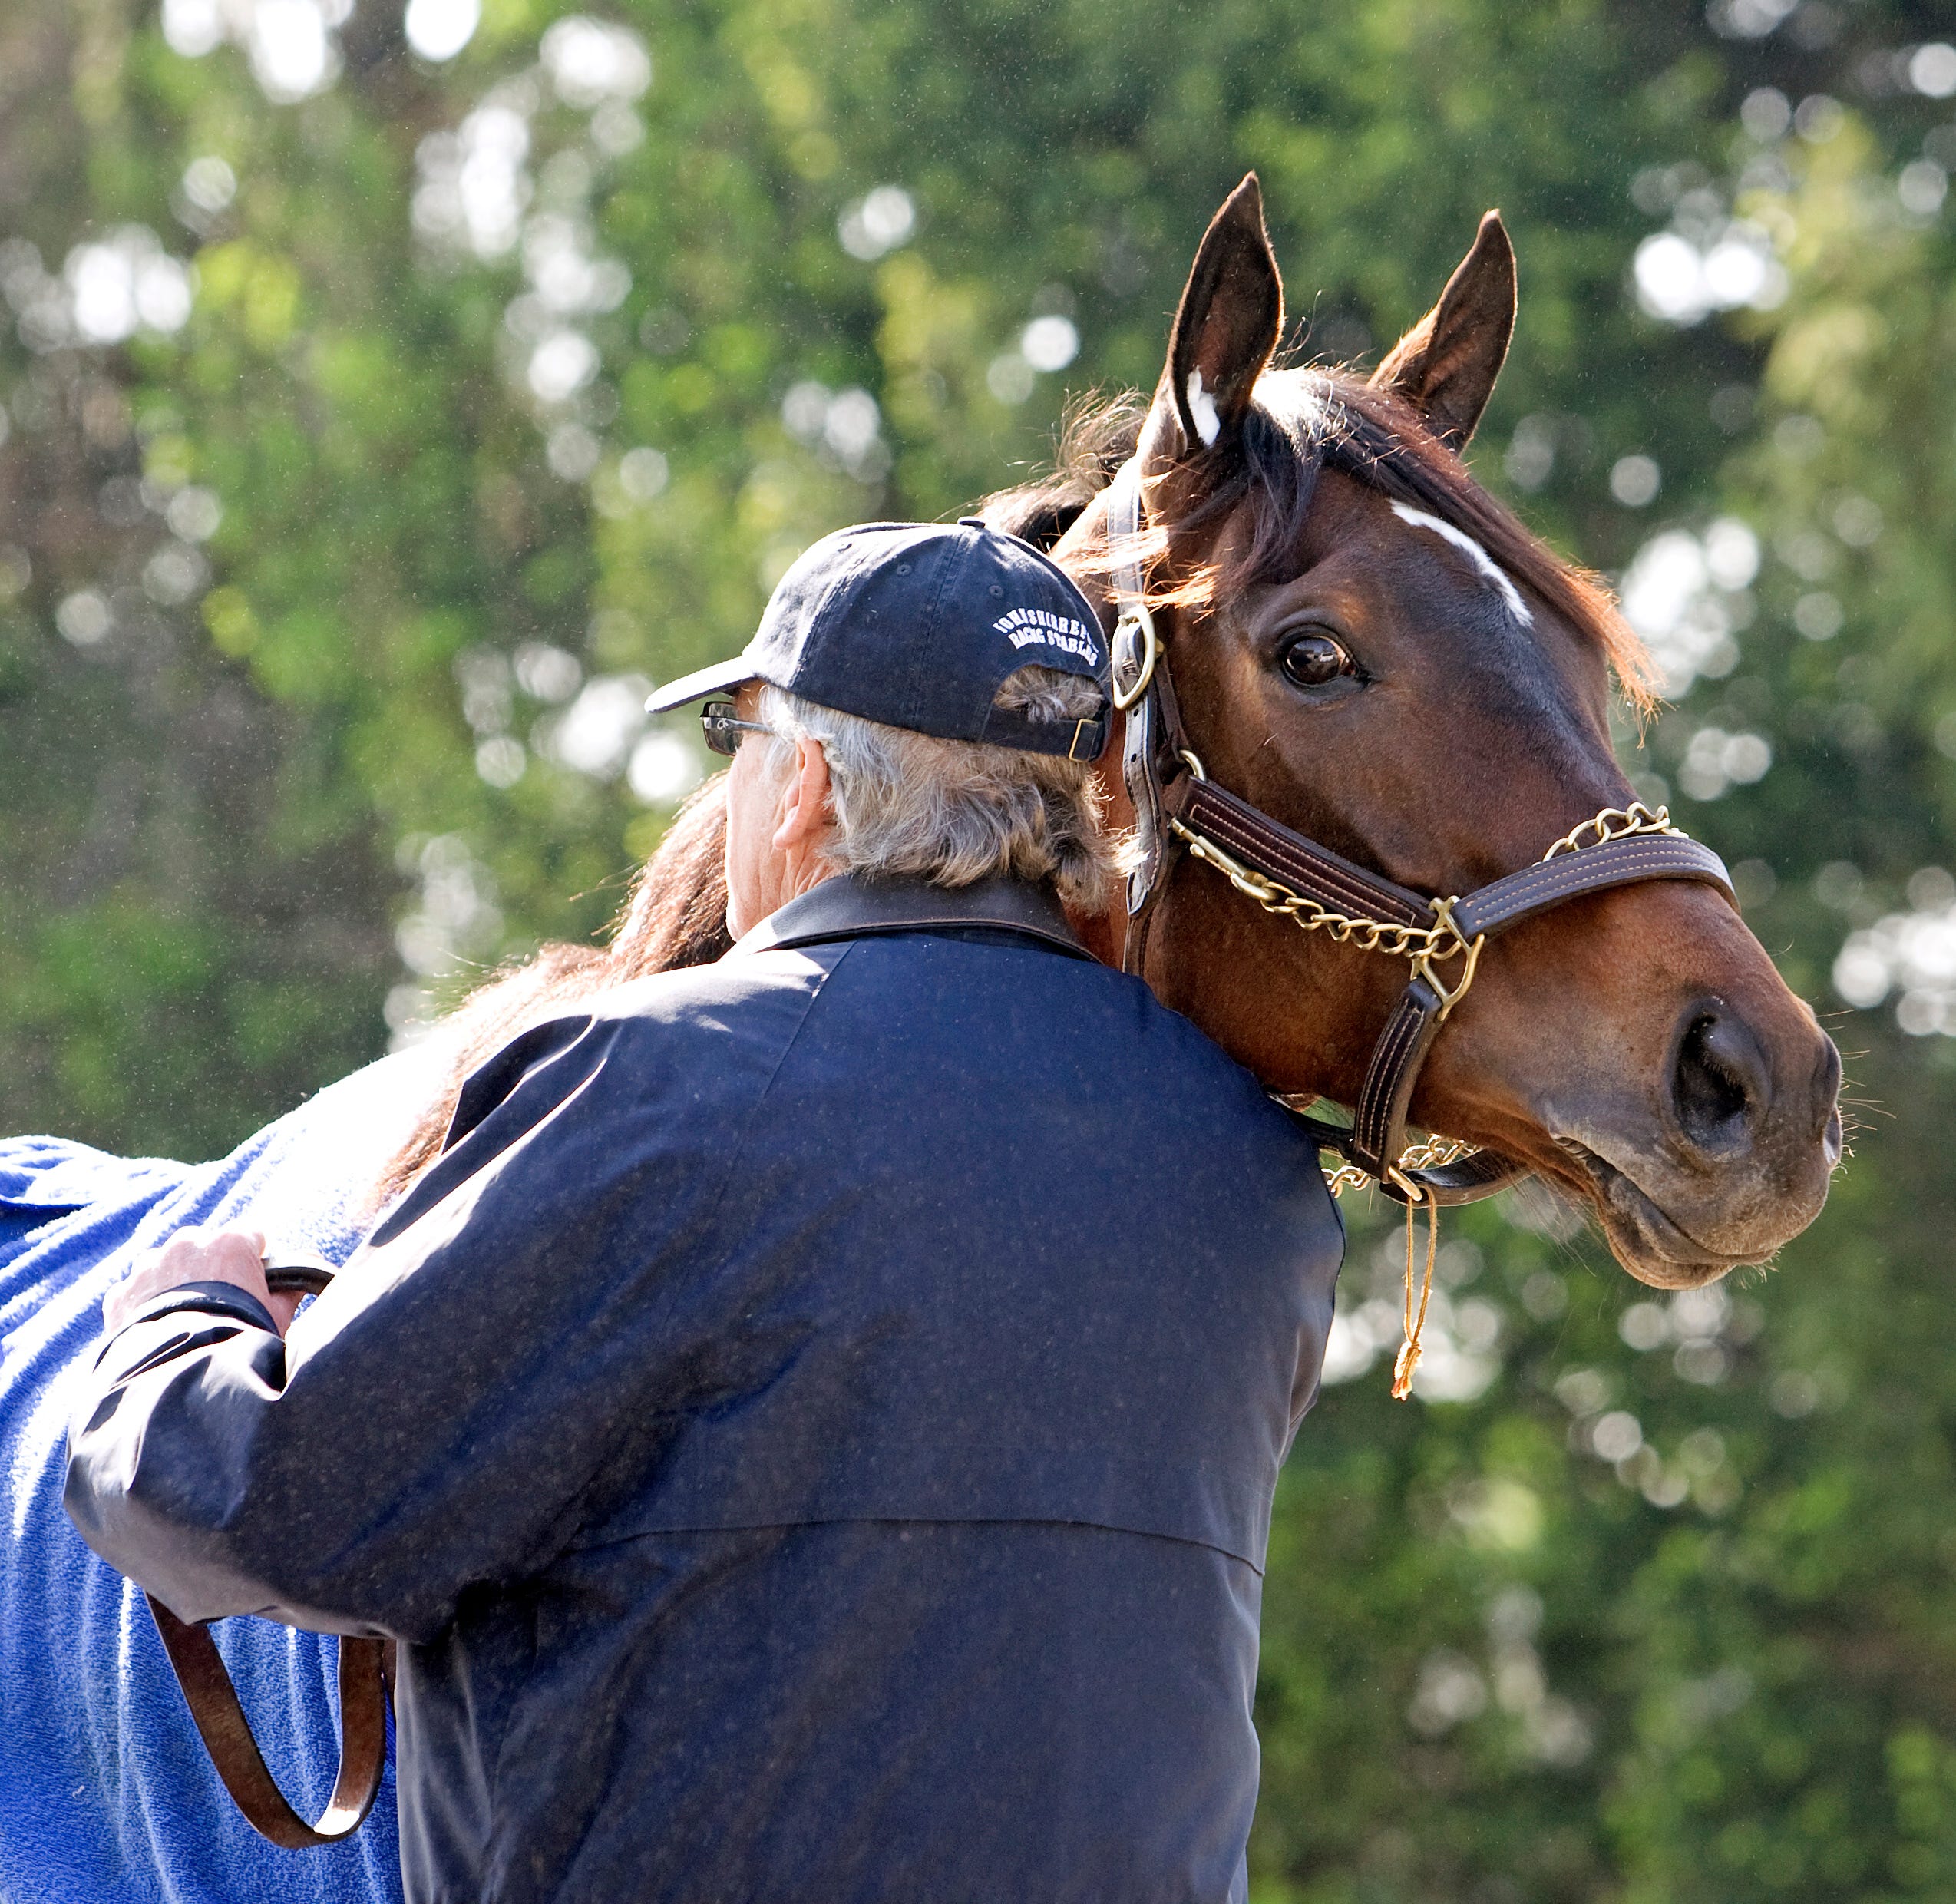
<point>366,1678</point>
<point>1176,805</point>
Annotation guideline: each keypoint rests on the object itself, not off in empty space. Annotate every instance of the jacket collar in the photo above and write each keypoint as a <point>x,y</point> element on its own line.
<point>847,907</point>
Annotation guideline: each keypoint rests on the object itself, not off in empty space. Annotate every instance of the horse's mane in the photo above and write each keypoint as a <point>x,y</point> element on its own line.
<point>676,914</point>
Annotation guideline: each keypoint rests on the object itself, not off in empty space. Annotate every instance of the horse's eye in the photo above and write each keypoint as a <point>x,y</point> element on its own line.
<point>1312,660</point>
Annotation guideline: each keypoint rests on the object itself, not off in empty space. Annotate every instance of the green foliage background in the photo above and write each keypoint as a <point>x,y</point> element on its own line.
<point>1659,1608</point>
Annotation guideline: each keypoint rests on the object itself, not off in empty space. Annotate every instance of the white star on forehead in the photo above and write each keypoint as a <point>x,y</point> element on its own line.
<point>1468,546</point>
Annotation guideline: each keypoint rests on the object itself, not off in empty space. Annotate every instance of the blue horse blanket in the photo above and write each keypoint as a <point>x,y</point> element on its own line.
<point>106,1795</point>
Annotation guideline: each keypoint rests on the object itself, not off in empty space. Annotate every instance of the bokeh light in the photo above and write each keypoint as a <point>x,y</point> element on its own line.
<point>439,29</point>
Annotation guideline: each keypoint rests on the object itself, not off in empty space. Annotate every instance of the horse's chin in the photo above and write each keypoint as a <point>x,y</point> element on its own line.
<point>1648,1242</point>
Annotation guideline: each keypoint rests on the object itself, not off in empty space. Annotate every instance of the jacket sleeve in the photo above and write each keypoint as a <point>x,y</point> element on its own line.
<point>434,1420</point>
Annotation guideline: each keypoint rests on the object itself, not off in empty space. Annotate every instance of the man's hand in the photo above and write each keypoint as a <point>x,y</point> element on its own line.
<point>199,1256</point>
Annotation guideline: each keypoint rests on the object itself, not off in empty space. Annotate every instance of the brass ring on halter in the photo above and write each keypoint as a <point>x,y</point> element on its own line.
<point>1414,1193</point>
<point>1135,615</point>
<point>1186,755</point>
<point>1423,963</point>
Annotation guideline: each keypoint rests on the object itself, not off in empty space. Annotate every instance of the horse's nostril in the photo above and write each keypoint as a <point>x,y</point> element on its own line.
<point>1826,1099</point>
<point>1720,1084</point>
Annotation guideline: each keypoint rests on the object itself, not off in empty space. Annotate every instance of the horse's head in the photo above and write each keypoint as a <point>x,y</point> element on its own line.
<point>1368,648</point>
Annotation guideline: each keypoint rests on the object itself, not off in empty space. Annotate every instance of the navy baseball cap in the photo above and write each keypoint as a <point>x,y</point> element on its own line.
<point>915,624</point>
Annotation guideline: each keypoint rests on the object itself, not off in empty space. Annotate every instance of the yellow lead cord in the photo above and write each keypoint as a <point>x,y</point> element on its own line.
<point>1409,1349</point>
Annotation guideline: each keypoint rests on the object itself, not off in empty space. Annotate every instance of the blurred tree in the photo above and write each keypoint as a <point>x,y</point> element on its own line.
<point>386,400</point>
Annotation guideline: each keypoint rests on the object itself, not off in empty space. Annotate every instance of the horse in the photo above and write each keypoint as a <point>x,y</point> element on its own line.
<point>1376,654</point>
<point>1370,655</point>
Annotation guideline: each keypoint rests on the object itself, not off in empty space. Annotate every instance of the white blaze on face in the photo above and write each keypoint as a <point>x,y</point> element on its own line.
<point>1202,408</point>
<point>1468,546</point>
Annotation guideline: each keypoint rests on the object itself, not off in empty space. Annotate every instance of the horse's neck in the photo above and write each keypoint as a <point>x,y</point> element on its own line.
<point>1105,933</point>
<point>1078,552</point>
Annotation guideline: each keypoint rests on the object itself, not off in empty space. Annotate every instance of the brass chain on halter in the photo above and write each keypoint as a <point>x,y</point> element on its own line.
<point>1615,823</point>
<point>1424,947</point>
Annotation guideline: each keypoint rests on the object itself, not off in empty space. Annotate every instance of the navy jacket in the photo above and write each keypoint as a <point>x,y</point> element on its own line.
<point>813,1431</point>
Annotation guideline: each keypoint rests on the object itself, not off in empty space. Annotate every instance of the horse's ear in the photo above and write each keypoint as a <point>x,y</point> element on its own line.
<point>1445,366</point>
<point>1230,316</point>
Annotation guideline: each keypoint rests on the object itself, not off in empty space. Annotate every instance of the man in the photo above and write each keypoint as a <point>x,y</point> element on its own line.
<point>813,1431</point>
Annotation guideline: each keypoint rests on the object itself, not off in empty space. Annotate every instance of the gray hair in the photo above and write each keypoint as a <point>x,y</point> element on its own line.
<point>910,805</point>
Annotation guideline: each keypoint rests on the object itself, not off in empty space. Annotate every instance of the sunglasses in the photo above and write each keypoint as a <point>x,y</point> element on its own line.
<point>723,728</point>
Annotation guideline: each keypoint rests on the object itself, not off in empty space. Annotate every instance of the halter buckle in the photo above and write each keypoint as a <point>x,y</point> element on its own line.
<point>1135,619</point>
<point>1425,962</point>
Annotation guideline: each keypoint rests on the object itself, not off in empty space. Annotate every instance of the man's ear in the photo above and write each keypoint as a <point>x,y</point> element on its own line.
<point>1446,364</point>
<point>803,809</point>
<point>1229,321</point>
